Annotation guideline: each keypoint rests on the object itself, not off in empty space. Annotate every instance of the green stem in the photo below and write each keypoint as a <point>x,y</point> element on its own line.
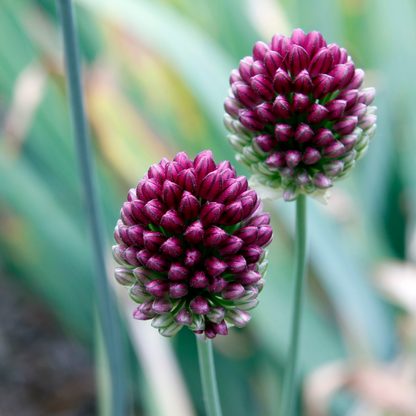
<point>209,382</point>
<point>286,408</point>
<point>104,298</point>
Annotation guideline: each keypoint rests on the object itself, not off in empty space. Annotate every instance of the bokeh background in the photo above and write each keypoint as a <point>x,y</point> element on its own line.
<point>155,76</point>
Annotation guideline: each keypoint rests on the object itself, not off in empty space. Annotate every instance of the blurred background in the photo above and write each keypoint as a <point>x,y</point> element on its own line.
<point>155,77</point>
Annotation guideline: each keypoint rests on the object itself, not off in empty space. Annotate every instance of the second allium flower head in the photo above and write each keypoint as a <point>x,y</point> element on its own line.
<point>298,116</point>
<point>191,244</point>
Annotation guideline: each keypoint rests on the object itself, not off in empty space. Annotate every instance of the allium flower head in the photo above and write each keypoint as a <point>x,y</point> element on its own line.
<point>191,244</point>
<point>298,116</point>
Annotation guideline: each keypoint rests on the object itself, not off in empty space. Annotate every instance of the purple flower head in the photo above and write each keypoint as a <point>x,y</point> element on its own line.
<point>192,235</point>
<point>295,105</point>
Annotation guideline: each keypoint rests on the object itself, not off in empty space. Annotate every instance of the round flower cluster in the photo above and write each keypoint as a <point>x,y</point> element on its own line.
<point>191,245</point>
<point>298,116</point>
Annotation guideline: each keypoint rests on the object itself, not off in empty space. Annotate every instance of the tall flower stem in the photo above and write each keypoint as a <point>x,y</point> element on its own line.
<point>209,381</point>
<point>105,301</point>
<point>289,380</point>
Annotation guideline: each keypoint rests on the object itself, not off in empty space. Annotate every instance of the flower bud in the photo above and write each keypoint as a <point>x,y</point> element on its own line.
<point>194,233</point>
<point>300,103</point>
<point>199,305</point>
<point>172,247</point>
<point>170,330</point>
<point>245,68</point>
<point>162,306</point>
<point>232,107</point>
<point>220,329</point>
<point>162,321</point>
<point>303,83</point>
<point>282,83</point>
<point>124,276</point>
<point>301,178</point>
<point>144,275</point>
<point>264,113</point>
<point>284,47</point>
<point>157,172</point>
<point>282,107</point>
<point>263,86</point>
<point>236,263</point>
<point>171,194</point>
<point>230,246</point>
<point>214,236</point>
<point>356,81</point>
<point>342,74</point>
<point>130,255</point>
<point>211,186</point>
<point>146,308</point>
<point>173,169</point>
<point>183,159</point>
<point>323,137</point>
<point>369,94</point>
<point>273,61</point>
<point>321,62</point>
<point>265,235</point>
<point>291,192</point>
<point>336,53</point>
<point>172,222</point>
<point>303,134</point>
<point>132,195</point>
<point>247,277</point>
<point>348,141</point>
<point>350,97</point>
<point>230,190</point>
<point>143,256</point>
<point>259,219</point>
<point>293,158</point>
<point>216,314</point>
<point>298,59</point>
<point>211,213</point>
<point>127,214</point>
<point>311,156</point>
<point>322,86</point>
<point>250,120</point>
<point>274,44</point>
<point>188,179</point>
<point>246,305</point>
<point>345,125</point>
<point>199,280</point>
<point>237,317</point>
<point>359,110</point>
<point>139,293</point>
<point>232,291</point>
<point>248,234</point>
<point>333,150</point>
<point>155,210</point>
<point>313,42</point>
<point>283,132</point>
<point>178,272</point>
<point>214,266</point>
<point>335,109</point>
<point>259,51</point>
<point>184,317</point>
<point>233,213</point>
<point>178,290</point>
<point>135,234</point>
<point>246,95</point>
<point>158,263</point>
<point>298,36</point>
<point>192,257</point>
<point>367,121</point>
<point>140,315</point>
<point>189,206</point>
<point>158,288</point>
<point>149,189</point>
<point>153,240</point>
<point>217,285</point>
<point>321,181</point>
<point>333,168</point>
<point>203,164</point>
<point>316,113</point>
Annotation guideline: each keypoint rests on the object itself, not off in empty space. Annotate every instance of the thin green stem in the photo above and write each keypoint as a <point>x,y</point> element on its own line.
<point>286,408</point>
<point>209,381</point>
<point>105,300</point>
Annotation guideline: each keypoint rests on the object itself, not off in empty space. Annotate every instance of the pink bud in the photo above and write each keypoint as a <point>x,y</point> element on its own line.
<point>211,213</point>
<point>172,247</point>
<point>265,143</point>
<point>183,159</point>
<point>321,62</point>
<point>303,83</point>
<point>189,206</point>
<point>369,94</point>
<point>199,305</point>
<point>262,218</point>
<point>276,160</point>
<point>273,61</point>
<point>232,291</point>
<point>322,85</point>
<point>132,195</point>
<point>264,112</point>
<point>140,315</point>
<point>232,107</point>
<point>192,257</point>
<point>235,76</point>
<point>284,47</point>
<point>230,246</point>
<point>344,56</point>
<point>143,256</point>
<point>146,308</point>
<point>178,290</point>
<point>236,263</point>
<point>173,222</point>
<point>348,141</point>
<point>216,314</point>
<point>335,109</point>
<point>323,137</point>
<point>342,74</point>
<point>153,240</point>
<point>162,306</point>
<point>214,236</point>
<point>144,275</point>
<point>274,43</point>
<point>293,158</point>
<point>251,253</point>
<point>282,82</point>
<point>359,110</point>
<point>356,81</point>
<point>136,208</point>
<point>311,156</point>
<point>245,68</point>
<point>367,121</point>
<point>333,168</point>
<point>218,284</point>
<point>136,235</point>
<point>214,266</point>
<point>149,189</point>
<point>245,94</point>
<point>316,113</point>
<point>158,263</point>
<point>250,120</point>
<point>259,51</point>
<point>243,182</point>
<point>336,53</point>
<point>178,271</point>
<point>187,179</point>
<point>350,96</point>
<point>156,172</point>
<point>231,189</point>
<point>298,59</point>
<point>335,149</point>
<point>171,194</point>
<point>283,132</point>
<point>172,171</point>
<point>203,164</point>
<point>199,280</point>
<point>183,317</point>
<point>345,125</point>
<point>130,255</point>
<point>248,234</point>
<point>298,36</point>
<point>126,213</point>
<point>247,278</point>
<point>321,181</point>
<point>313,42</point>
<point>158,288</point>
<point>124,276</point>
<point>303,134</point>
<point>194,233</point>
<point>282,107</point>
<point>263,86</point>
<point>155,210</point>
<point>300,103</point>
<point>301,178</point>
<point>211,186</point>
<point>258,68</point>
<point>265,235</point>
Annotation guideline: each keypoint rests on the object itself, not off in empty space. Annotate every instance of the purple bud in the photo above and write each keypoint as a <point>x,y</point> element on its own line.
<point>214,266</point>
<point>130,255</point>
<point>143,275</point>
<point>203,164</point>
<point>214,236</point>
<point>211,186</point>
<point>178,290</point>
<point>172,171</point>
<point>232,107</point>
<point>199,305</point>
<point>369,95</point>
<point>232,291</point>
<point>199,280</point>
<point>250,120</point>
<point>356,81</point>
<point>158,263</point>
<point>300,103</point>
<point>183,159</point>
<point>284,47</point>
<point>273,61</point>
<point>350,96</point>
<point>172,222</point>
<point>231,189</point>
<point>358,110</point>
<point>194,233</point>
<point>259,285</point>
<point>316,113</point>
<point>336,109</point>
<point>274,43</point>
<point>258,68</point>
<point>218,284</point>
<point>220,329</point>
<point>246,95</point>
<point>248,234</point>
<point>287,172</point>
<point>153,240</point>
<point>162,306</point>
<point>342,74</point>
<point>149,189</point>
<point>345,125</point>
<point>263,86</point>
<point>303,83</point>
<point>265,143</point>
<point>230,246</point>
<point>344,56</point>
<point>303,134</point>
<point>333,168</point>
<point>334,149</point>
<point>183,317</point>
<point>259,51</point>
<point>348,141</point>
<point>143,256</point>
<point>321,181</point>
<point>136,210</point>
<point>155,210</point>
<point>178,271</point>
<point>283,132</point>
<point>156,172</point>
<point>136,235</point>
<point>216,314</point>
<point>322,85</point>
<point>361,97</point>
<point>236,263</point>
<point>298,59</point>
<point>121,234</point>
<point>247,277</point>
<point>249,200</point>
<point>172,247</point>
<point>171,194</point>
<point>127,214</point>
<point>189,206</point>
<point>336,53</point>
<point>282,107</point>
<point>367,121</point>
<point>302,178</point>
<point>226,172</point>
<point>276,160</point>
<point>146,309</point>
<point>132,195</point>
<point>158,288</point>
<point>251,253</point>
<point>259,219</point>
<point>209,331</point>
<point>321,62</point>
<point>323,137</point>
<point>140,315</point>
<point>313,42</point>
<point>233,213</point>
<point>124,276</point>
<point>211,213</point>
<point>282,82</point>
<point>265,236</point>
<point>192,257</point>
<point>293,158</point>
<point>187,179</point>
<point>264,112</point>
<point>298,36</point>
<point>245,68</point>
<point>311,156</point>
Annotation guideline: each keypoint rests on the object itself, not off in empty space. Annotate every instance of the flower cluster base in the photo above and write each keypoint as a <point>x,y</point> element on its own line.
<point>191,244</point>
